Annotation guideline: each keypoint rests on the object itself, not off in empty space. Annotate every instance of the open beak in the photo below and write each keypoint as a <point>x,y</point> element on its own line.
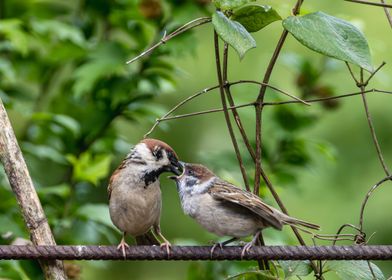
<point>178,169</point>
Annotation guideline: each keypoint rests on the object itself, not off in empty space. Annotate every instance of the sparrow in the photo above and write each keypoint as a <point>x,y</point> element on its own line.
<point>225,209</point>
<point>135,195</point>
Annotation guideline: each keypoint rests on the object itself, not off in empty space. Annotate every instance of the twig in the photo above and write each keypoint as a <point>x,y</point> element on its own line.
<point>351,73</point>
<point>371,126</point>
<point>226,112</point>
<point>374,73</point>
<point>263,264</point>
<point>205,112</point>
<point>370,3</point>
<point>259,110</point>
<point>369,193</point>
<point>22,185</point>
<point>183,102</point>
<point>326,98</point>
<point>387,13</point>
<point>165,38</point>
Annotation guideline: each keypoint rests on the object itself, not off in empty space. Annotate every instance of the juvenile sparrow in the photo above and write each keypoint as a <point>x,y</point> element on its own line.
<point>225,209</point>
<point>135,194</point>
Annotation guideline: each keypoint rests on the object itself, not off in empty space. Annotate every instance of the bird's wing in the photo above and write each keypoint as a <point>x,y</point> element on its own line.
<point>225,191</point>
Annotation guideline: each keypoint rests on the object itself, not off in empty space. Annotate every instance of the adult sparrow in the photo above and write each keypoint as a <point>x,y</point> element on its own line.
<point>135,194</point>
<point>226,210</point>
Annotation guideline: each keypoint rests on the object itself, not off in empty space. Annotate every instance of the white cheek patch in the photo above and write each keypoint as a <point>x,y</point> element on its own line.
<point>203,187</point>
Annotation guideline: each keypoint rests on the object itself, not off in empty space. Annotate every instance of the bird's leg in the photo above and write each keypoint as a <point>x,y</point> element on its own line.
<point>166,243</point>
<point>221,244</point>
<point>123,245</point>
<point>250,244</point>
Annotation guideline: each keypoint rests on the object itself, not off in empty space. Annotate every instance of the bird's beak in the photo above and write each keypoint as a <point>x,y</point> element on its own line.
<point>180,168</point>
<point>176,167</point>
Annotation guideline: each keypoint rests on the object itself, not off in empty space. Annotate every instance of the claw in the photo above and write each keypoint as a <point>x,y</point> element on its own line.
<point>250,244</point>
<point>122,247</point>
<point>168,247</point>
<point>246,249</point>
<point>214,247</point>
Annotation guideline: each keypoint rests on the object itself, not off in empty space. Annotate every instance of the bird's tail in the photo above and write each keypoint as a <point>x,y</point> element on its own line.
<point>299,223</point>
<point>147,239</point>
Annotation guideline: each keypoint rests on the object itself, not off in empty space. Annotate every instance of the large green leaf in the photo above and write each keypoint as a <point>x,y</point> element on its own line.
<point>230,4</point>
<point>233,33</point>
<point>255,17</point>
<point>295,268</point>
<point>90,168</point>
<point>96,212</point>
<point>331,36</point>
<point>359,270</point>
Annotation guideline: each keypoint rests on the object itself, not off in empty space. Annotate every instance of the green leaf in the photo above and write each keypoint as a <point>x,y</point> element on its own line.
<point>106,60</point>
<point>63,120</point>
<point>253,275</point>
<point>359,270</point>
<point>96,212</point>
<point>331,36</point>
<point>255,17</point>
<point>233,33</point>
<point>59,30</point>
<point>230,4</point>
<point>44,152</point>
<point>62,190</point>
<point>89,168</point>
<point>295,268</point>
<point>12,30</point>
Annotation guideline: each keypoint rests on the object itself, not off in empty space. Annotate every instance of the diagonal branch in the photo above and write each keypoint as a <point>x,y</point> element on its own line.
<point>22,185</point>
<point>226,112</point>
<point>387,13</point>
<point>370,3</point>
<point>182,29</point>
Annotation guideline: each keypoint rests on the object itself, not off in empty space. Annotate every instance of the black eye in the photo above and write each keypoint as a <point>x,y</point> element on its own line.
<point>190,172</point>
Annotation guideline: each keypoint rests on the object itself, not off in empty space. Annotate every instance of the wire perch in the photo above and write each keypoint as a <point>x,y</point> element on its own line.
<point>81,252</point>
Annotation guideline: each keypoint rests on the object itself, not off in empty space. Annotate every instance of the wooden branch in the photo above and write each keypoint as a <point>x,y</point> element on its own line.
<point>22,185</point>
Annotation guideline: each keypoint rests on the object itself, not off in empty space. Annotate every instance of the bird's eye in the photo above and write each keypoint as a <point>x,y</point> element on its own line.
<point>190,172</point>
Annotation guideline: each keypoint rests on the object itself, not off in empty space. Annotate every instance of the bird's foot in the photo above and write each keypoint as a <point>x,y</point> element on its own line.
<point>250,244</point>
<point>220,244</point>
<point>166,245</point>
<point>122,247</point>
<point>246,248</point>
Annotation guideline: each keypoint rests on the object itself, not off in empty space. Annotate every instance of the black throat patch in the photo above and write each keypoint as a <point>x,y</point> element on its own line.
<point>152,176</point>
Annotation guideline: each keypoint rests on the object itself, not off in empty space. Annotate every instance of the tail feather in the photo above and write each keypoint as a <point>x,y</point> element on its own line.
<point>296,222</point>
<point>147,239</point>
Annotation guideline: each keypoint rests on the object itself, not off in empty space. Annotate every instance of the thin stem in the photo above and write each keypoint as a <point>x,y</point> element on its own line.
<point>325,98</point>
<point>371,126</point>
<point>370,3</point>
<point>164,118</point>
<point>192,24</point>
<point>263,264</point>
<point>259,110</point>
<point>183,102</point>
<point>374,72</point>
<point>369,193</point>
<point>351,73</point>
<point>204,112</point>
<point>226,112</point>
<point>387,13</point>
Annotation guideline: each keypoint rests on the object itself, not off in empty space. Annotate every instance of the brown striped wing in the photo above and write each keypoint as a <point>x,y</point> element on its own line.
<point>223,190</point>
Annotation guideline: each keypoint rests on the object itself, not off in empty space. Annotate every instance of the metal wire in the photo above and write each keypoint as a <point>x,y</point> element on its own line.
<point>81,252</point>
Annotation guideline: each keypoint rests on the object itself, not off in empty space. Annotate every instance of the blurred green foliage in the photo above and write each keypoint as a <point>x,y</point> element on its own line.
<point>76,107</point>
